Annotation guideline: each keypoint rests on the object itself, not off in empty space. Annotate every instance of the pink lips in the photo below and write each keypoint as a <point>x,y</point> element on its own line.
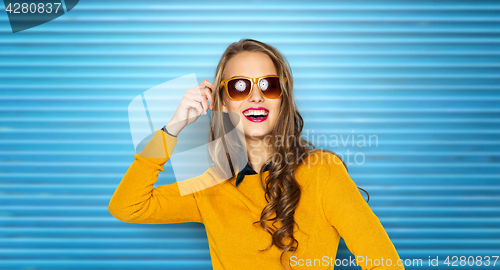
<point>260,119</point>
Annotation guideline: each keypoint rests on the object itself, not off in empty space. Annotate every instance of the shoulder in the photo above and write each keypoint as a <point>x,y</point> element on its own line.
<point>333,176</point>
<point>320,165</point>
<point>325,160</point>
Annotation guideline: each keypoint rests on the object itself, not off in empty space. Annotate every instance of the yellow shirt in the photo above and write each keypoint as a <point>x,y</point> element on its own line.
<point>330,207</point>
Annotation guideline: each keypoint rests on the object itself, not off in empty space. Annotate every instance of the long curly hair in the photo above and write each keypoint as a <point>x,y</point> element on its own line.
<point>282,191</point>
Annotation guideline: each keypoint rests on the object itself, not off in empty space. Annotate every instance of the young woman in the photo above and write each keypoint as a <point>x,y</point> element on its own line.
<point>290,204</point>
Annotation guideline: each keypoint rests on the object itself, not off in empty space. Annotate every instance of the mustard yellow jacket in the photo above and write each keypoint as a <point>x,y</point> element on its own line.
<point>330,207</point>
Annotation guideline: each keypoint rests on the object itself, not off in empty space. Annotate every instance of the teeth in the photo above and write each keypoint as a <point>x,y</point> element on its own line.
<point>256,113</point>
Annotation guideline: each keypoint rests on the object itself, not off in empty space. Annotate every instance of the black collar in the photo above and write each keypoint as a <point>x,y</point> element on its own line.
<point>248,170</point>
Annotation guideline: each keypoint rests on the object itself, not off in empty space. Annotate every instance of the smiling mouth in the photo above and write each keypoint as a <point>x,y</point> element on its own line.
<point>256,114</point>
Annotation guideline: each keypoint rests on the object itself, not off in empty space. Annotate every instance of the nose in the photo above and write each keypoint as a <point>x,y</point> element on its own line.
<point>256,95</point>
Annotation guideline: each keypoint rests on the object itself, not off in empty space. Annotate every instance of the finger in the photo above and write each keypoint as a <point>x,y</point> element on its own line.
<point>209,96</point>
<point>203,99</point>
<point>195,105</point>
<point>210,87</point>
<point>204,104</point>
<point>201,96</point>
<point>206,83</point>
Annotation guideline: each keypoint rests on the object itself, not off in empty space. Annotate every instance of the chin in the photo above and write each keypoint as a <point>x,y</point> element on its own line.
<point>257,133</point>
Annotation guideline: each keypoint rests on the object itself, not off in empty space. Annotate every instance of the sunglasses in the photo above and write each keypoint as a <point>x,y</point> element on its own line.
<point>240,88</point>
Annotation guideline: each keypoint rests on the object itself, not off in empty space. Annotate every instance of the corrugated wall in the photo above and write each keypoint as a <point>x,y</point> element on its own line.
<point>422,76</point>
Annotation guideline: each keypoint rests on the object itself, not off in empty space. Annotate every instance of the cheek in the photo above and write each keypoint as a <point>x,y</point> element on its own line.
<point>276,110</point>
<point>277,106</point>
<point>227,103</point>
<point>233,106</point>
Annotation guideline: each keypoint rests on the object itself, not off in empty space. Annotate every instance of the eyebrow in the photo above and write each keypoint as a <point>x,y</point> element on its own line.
<point>246,76</point>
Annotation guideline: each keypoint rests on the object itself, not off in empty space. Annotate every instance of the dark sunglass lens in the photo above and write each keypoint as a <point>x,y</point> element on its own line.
<point>270,87</point>
<point>238,88</point>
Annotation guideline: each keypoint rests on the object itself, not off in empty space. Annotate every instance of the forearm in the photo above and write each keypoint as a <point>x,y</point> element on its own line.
<point>134,192</point>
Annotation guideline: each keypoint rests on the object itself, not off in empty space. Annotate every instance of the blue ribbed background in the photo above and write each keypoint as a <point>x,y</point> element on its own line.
<point>423,76</point>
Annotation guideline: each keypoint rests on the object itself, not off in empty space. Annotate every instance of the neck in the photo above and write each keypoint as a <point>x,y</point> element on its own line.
<point>258,152</point>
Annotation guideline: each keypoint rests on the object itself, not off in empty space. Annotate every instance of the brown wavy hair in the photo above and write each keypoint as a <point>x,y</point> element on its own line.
<point>282,191</point>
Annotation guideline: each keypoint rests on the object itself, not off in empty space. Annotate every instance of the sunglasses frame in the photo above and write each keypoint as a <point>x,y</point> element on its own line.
<point>254,81</point>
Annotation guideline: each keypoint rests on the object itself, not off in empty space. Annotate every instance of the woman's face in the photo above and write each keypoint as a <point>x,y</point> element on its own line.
<point>253,65</point>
